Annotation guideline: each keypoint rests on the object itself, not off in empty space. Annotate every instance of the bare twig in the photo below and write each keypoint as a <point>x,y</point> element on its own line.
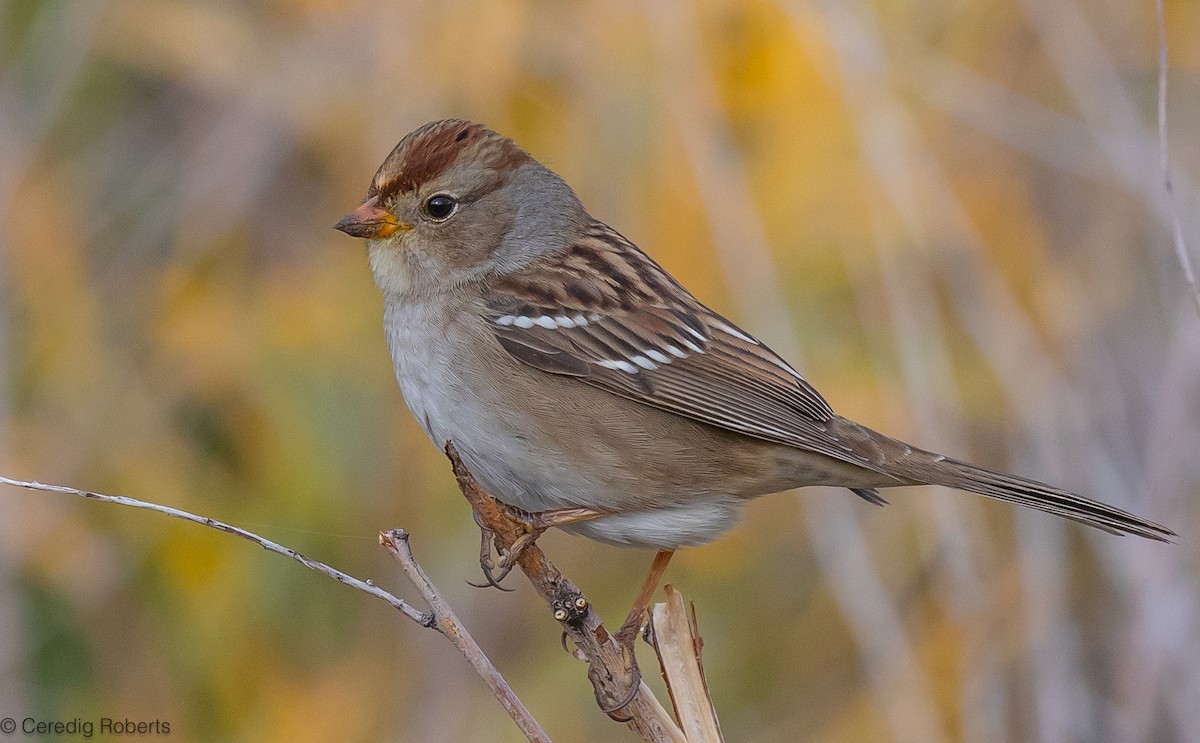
<point>678,646</point>
<point>1164,156</point>
<point>610,670</point>
<point>441,618</point>
<point>396,542</point>
<point>421,618</point>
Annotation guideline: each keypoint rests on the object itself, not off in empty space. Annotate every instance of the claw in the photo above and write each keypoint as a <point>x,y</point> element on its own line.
<point>504,571</point>
<point>626,645</point>
<point>486,564</point>
<point>634,687</point>
<point>492,581</point>
<point>534,525</point>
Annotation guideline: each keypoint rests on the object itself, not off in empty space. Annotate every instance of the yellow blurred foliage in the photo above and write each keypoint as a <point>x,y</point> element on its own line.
<point>949,215</point>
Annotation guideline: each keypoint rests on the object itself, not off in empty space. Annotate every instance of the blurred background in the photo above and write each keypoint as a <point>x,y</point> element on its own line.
<point>948,214</point>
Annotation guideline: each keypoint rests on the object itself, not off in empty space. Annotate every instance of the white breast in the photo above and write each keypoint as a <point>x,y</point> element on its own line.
<point>418,337</point>
<point>438,364</point>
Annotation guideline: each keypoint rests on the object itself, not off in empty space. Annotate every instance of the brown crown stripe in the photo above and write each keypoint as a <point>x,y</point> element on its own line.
<point>427,152</point>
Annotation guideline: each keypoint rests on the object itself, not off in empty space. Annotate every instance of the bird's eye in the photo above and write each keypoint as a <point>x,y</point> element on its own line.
<point>440,207</point>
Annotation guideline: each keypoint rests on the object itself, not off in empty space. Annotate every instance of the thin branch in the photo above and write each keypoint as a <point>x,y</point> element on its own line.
<point>611,671</point>
<point>421,618</point>
<point>1164,156</point>
<point>396,542</point>
<point>441,618</point>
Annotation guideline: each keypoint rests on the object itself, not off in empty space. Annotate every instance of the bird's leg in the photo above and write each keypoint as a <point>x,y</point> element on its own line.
<point>626,636</point>
<point>535,524</point>
<point>628,632</point>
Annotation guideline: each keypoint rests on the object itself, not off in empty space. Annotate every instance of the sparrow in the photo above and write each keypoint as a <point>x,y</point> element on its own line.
<point>582,384</point>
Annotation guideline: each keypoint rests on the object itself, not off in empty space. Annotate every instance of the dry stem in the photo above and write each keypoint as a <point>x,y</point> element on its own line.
<point>678,644</point>
<point>612,673</point>
<point>1164,156</point>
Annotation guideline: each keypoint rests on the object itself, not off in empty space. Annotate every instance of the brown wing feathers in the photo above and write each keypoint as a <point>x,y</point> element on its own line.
<point>605,313</point>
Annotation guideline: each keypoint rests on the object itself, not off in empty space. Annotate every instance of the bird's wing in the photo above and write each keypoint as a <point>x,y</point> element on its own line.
<point>606,314</point>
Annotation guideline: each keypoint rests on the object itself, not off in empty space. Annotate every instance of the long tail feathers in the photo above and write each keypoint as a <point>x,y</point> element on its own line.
<point>1033,494</point>
<point>870,495</point>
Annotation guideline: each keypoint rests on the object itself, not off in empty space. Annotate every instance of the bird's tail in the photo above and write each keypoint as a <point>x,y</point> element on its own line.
<point>939,470</point>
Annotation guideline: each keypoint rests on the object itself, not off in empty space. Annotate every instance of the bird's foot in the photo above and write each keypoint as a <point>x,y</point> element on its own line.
<point>616,711</point>
<point>486,563</point>
<point>533,525</point>
<point>626,636</point>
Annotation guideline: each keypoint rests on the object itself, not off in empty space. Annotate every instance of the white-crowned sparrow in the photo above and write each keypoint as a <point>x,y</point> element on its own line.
<point>576,377</point>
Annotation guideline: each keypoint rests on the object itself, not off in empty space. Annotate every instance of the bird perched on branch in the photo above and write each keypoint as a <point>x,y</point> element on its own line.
<point>585,386</point>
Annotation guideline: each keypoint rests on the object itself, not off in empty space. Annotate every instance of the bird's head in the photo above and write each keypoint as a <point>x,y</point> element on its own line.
<point>456,202</point>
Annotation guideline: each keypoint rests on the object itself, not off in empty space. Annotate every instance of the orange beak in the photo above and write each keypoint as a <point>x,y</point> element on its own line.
<point>370,221</point>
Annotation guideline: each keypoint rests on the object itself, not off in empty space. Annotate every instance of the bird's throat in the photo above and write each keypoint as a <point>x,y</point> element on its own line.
<point>391,269</point>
